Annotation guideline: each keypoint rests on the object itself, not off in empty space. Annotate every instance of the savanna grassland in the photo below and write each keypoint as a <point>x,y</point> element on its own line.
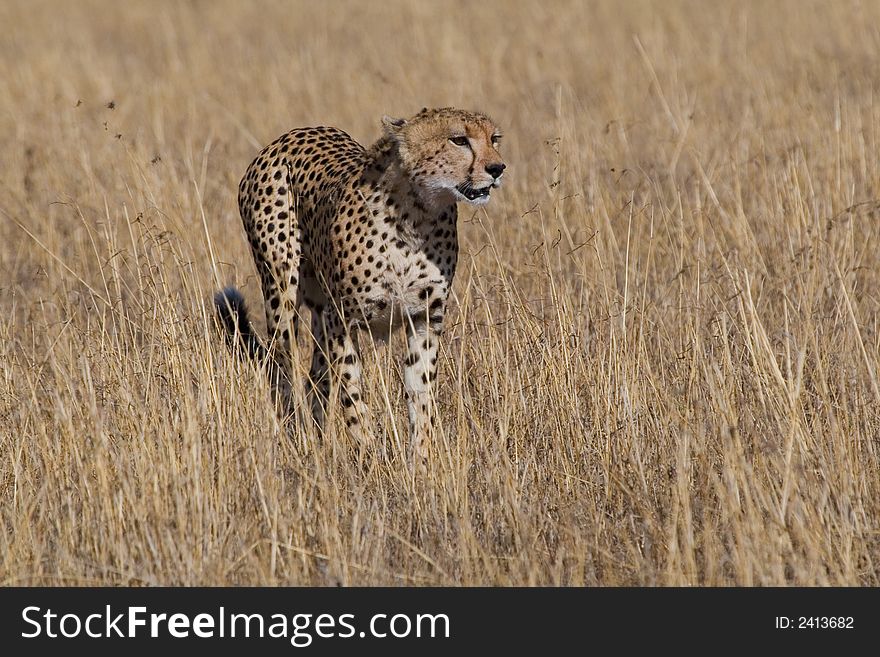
<point>660,365</point>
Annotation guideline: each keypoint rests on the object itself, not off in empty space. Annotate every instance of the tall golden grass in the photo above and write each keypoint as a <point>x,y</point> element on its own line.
<point>661,363</point>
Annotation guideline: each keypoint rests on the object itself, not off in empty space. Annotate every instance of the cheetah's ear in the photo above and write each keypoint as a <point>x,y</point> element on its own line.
<point>392,126</point>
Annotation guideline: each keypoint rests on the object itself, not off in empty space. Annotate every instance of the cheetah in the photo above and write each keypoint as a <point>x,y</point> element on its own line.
<point>366,240</point>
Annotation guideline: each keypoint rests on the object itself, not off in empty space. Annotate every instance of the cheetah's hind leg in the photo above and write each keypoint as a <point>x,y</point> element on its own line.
<point>234,320</point>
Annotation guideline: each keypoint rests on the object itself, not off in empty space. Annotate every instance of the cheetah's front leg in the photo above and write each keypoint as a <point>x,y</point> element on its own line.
<point>345,369</point>
<point>420,371</point>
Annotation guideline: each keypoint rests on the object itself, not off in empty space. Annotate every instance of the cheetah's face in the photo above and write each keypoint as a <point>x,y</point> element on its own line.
<point>450,153</point>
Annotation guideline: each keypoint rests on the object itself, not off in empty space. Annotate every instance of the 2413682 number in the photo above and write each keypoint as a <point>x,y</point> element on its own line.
<point>825,622</point>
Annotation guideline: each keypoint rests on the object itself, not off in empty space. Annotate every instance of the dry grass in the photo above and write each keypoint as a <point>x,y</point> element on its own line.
<point>662,361</point>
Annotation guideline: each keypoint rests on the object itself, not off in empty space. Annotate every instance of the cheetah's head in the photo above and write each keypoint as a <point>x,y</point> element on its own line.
<point>449,154</point>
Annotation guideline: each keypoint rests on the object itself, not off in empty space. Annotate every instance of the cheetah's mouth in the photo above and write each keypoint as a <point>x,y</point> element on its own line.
<point>471,193</point>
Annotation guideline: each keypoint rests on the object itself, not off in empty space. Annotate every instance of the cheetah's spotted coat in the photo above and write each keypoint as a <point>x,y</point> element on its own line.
<point>366,239</point>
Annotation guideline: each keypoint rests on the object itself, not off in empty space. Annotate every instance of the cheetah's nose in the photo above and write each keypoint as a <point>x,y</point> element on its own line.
<point>495,170</point>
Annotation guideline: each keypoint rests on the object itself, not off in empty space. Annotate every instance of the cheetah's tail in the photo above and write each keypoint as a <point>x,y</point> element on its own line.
<point>233,316</point>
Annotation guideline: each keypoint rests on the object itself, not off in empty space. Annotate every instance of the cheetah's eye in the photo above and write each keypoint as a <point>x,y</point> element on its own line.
<point>459,140</point>
<point>496,139</point>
